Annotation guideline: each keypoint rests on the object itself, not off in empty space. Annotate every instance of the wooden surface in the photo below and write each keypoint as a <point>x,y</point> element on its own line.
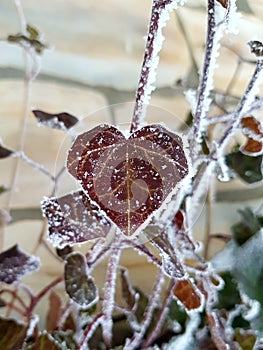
<point>94,60</point>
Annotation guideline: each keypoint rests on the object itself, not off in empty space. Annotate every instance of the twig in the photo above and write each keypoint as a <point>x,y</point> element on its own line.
<point>148,314</point>
<point>109,290</point>
<point>159,17</point>
<point>162,316</point>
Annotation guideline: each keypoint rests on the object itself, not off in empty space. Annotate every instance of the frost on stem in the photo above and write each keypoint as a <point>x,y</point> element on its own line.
<point>218,22</point>
<point>159,18</point>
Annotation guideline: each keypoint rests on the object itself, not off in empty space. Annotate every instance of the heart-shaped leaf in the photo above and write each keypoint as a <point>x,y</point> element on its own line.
<point>74,219</point>
<point>14,264</point>
<point>79,286</point>
<point>61,121</point>
<point>128,178</point>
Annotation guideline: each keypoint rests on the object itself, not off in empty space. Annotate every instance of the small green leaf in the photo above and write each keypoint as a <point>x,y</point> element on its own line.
<point>177,313</point>
<point>65,339</point>
<point>247,168</point>
<point>245,338</point>
<point>45,342</point>
<point>248,226</point>
<point>79,286</point>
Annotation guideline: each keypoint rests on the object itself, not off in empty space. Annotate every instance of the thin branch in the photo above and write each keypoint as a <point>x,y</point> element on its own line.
<point>109,290</point>
<point>89,331</point>
<point>148,314</point>
<point>159,17</point>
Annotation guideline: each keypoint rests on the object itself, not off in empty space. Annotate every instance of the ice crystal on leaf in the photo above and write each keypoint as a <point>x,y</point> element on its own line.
<point>74,219</point>
<point>129,179</point>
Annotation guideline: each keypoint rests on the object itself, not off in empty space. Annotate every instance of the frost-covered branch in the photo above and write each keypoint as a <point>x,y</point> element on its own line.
<point>159,17</point>
<point>109,290</point>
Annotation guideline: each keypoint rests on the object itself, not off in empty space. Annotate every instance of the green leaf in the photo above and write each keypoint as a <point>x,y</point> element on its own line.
<point>248,226</point>
<point>248,267</point>
<point>32,31</point>
<point>229,296</point>
<point>246,339</point>
<point>65,339</point>
<point>12,334</point>
<point>247,168</point>
<point>177,313</point>
<point>79,286</point>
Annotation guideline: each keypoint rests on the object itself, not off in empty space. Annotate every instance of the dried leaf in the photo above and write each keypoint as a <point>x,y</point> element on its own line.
<point>3,189</point>
<point>12,334</point>
<point>54,312</point>
<point>187,293</point>
<point>74,219</point>
<point>5,152</point>
<point>14,264</point>
<point>252,128</point>
<point>247,168</point>
<point>245,338</point>
<point>32,31</point>
<point>128,291</point>
<point>224,3</point>
<point>63,252</point>
<point>128,178</point>
<point>228,296</point>
<point>62,121</point>
<point>79,286</point>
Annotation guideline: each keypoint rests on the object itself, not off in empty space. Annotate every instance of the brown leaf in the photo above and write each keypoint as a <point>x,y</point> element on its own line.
<point>79,286</point>
<point>5,152</point>
<point>188,294</point>
<point>252,128</point>
<point>61,121</point>
<point>12,334</point>
<point>128,178</point>
<point>54,312</point>
<point>224,3</point>
<point>74,219</point>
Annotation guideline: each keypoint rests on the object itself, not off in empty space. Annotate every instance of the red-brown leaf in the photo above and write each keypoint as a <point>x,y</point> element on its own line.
<point>224,3</point>
<point>188,294</point>
<point>54,312</point>
<point>128,178</point>
<point>5,152</point>
<point>74,219</point>
<point>253,130</point>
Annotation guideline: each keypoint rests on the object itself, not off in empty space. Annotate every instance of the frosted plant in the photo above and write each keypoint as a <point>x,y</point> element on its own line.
<point>139,189</point>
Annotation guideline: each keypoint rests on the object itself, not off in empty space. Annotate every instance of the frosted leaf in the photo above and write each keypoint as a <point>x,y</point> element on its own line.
<point>62,121</point>
<point>79,286</point>
<point>15,264</point>
<point>12,334</point>
<point>189,295</point>
<point>253,130</point>
<point>74,219</point>
<point>130,178</point>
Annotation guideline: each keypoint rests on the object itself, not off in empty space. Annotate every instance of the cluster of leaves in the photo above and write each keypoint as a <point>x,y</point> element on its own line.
<point>124,182</point>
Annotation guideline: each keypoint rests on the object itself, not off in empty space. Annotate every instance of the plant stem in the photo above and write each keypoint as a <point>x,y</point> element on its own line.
<point>148,314</point>
<point>164,311</point>
<point>207,74</point>
<point>109,289</point>
<point>159,17</point>
<point>208,221</point>
<point>89,331</point>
